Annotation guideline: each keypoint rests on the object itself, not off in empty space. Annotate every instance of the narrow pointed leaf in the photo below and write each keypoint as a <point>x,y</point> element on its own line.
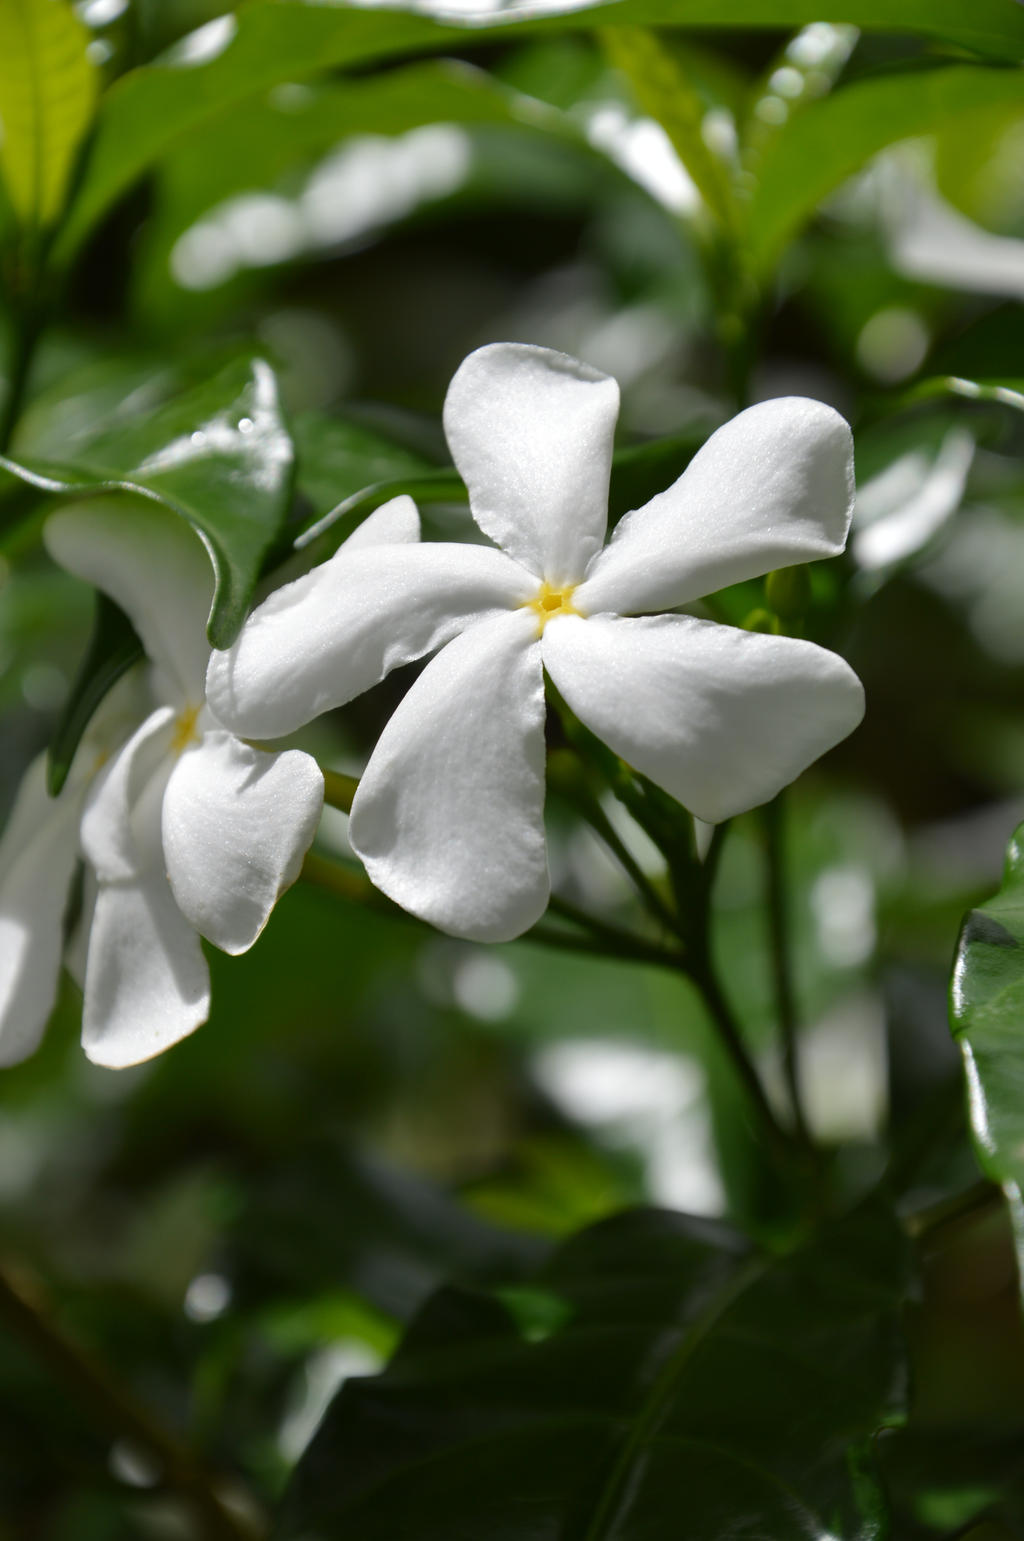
<point>47,92</point>
<point>220,456</point>
<point>987,1018</point>
<point>661,88</point>
<point>674,1383</point>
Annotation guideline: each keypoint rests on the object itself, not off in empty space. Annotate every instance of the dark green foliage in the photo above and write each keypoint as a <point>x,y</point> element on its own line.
<point>626,1418</point>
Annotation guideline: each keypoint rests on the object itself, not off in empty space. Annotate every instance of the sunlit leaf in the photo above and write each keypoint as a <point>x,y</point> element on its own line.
<point>987,1015</point>
<point>669,1372</point>
<point>47,91</point>
<point>269,43</point>
<point>829,141</point>
<point>219,455</point>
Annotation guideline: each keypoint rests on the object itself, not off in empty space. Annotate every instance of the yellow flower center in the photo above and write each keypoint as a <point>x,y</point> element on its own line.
<point>549,602</point>
<point>185,730</point>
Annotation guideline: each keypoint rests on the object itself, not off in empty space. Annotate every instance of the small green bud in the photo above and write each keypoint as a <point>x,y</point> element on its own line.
<point>787,591</point>
<point>762,620</point>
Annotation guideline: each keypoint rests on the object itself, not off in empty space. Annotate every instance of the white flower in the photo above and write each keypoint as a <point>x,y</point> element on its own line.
<point>448,817</point>
<point>187,830</point>
<point>38,858</point>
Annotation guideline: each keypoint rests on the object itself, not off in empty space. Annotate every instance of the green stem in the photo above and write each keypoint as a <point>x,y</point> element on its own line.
<point>613,940</point>
<point>773,818</point>
<point>344,881</point>
<point>339,789</point>
<point>23,1307</point>
<point>27,329</point>
<point>706,980</point>
<point>975,1200</point>
<point>590,808</point>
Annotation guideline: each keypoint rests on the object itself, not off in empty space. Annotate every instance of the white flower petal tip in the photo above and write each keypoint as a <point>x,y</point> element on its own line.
<point>236,824</point>
<point>722,719</point>
<point>395,523</point>
<point>771,488</point>
<point>531,431</point>
<point>449,815</point>
<point>147,984</point>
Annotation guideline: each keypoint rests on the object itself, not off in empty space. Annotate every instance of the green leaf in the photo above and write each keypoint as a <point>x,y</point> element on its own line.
<point>338,458</point>
<point>664,1381</point>
<point>220,456</point>
<point>662,89</point>
<point>47,91</point>
<point>1005,393</point>
<point>271,42</point>
<point>828,142</point>
<point>113,648</point>
<point>987,1018</point>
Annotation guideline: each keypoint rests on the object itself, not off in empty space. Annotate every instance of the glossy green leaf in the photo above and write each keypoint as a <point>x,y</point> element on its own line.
<point>220,456</point>
<point>113,648</point>
<point>829,141</point>
<point>664,1381</point>
<point>271,42</point>
<point>347,469</point>
<point>47,92</point>
<point>987,1018</point>
<point>337,458</point>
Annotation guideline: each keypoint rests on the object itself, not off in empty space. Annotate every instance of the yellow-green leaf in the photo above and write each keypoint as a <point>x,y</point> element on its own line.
<point>47,92</point>
<point>662,89</point>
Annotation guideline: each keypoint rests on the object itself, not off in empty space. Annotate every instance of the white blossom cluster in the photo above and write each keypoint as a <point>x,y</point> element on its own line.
<point>188,827</point>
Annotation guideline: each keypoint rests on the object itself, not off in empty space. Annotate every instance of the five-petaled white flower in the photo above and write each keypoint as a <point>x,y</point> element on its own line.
<point>448,818</point>
<point>186,829</point>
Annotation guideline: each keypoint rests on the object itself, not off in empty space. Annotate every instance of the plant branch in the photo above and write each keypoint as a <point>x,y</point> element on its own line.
<point>656,905</point>
<point>706,980</point>
<point>608,939</point>
<point>23,1306</point>
<point>773,819</point>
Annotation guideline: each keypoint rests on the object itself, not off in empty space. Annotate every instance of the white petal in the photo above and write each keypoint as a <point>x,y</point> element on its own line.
<point>771,488</point>
<point>236,825</point>
<point>147,983</point>
<point>395,523</point>
<point>530,431</point>
<point>722,719</point>
<point>330,635</point>
<point>155,567</point>
<point>37,860</point>
<point>110,824</point>
<point>449,815</point>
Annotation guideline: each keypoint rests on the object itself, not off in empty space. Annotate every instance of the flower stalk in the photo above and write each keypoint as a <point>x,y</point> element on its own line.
<point>780,953</point>
<point>25,1310</point>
